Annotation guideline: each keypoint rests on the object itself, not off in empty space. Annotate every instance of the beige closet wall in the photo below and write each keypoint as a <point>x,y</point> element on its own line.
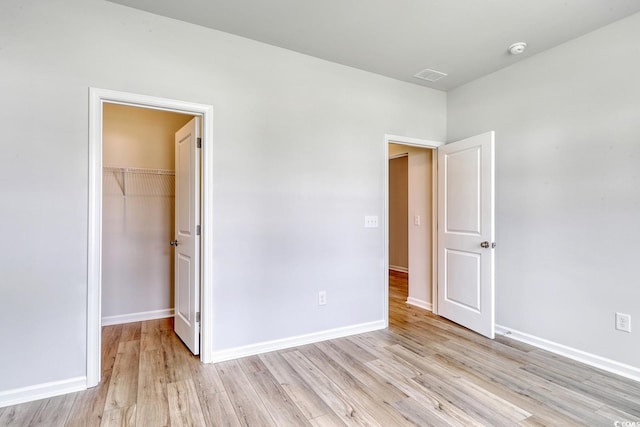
<point>398,214</point>
<point>139,137</point>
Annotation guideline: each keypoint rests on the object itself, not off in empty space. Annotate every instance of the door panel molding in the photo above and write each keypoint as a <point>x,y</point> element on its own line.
<point>466,258</point>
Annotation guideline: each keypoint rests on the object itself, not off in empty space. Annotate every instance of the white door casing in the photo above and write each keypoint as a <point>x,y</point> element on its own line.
<point>466,233</point>
<point>97,97</point>
<point>187,237</point>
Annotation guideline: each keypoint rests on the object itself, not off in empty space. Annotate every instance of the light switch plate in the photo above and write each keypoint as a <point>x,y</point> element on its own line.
<point>371,221</point>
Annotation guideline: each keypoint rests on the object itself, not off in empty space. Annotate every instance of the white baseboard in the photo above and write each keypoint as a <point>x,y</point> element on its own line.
<point>420,303</point>
<point>267,346</point>
<point>603,363</point>
<point>42,391</point>
<point>137,317</point>
<point>398,268</point>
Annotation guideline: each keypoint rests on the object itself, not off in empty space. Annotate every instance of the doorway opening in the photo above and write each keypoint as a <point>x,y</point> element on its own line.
<point>419,224</point>
<point>100,101</point>
<point>463,206</point>
<point>138,212</point>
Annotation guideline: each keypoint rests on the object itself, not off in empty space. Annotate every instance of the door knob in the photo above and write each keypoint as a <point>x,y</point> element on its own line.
<point>484,244</point>
<point>174,243</point>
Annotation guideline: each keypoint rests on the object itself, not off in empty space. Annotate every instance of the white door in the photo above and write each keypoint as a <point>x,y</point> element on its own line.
<point>466,233</point>
<point>187,236</point>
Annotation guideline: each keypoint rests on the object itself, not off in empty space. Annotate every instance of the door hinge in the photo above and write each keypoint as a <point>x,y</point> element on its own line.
<point>198,230</point>
<point>199,142</point>
<point>197,317</point>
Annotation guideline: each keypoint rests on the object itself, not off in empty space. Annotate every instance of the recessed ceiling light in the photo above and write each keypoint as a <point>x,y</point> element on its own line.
<point>517,48</point>
<point>430,75</point>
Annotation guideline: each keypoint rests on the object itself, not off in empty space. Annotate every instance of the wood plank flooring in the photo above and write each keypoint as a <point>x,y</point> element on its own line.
<point>423,370</point>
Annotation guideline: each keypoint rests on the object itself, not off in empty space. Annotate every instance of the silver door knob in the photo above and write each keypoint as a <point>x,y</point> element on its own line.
<point>484,244</point>
<point>174,243</point>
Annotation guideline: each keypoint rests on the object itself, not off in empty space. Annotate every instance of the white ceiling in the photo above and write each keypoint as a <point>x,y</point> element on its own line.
<point>398,38</point>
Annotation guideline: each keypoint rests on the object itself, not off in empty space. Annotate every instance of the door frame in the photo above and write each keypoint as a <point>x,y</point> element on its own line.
<point>422,143</point>
<point>98,97</point>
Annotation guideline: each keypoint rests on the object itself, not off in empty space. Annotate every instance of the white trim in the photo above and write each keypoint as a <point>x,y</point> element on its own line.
<point>137,317</point>
<point>94,240</point>
<point>590,359</point>
<point>434,232</point>
<point>284,343</point>
<point>413,142</point>
<point>97,97</point>
<point>399,269</point>
<point>42,391</point>
<point>206,241</point>
<point>420,303</point>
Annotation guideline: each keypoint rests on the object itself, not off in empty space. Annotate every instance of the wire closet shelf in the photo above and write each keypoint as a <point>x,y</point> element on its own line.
<point>129,181</point>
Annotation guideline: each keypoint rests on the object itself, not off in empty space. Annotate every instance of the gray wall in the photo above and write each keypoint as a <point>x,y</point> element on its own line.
<point>567,125</point>
<point>298,162</point>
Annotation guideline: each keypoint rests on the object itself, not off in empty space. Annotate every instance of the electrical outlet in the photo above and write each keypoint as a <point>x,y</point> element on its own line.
<point>322,297</point>
<point>623,322</point>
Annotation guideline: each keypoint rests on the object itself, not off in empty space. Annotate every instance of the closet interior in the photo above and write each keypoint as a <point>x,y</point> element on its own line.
<point>138,212</point>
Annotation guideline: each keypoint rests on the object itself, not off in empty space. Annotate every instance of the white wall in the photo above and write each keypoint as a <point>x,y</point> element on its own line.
<point>298,163</point>
<point>568,187</point>
<point>420,238</point>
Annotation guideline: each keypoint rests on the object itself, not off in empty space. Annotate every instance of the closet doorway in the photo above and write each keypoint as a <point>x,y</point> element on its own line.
<point>135,153</point>
<point>138,212</point>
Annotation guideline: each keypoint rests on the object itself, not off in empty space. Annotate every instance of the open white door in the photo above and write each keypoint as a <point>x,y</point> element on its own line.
<point>466,233</point>
<point>187,236</point>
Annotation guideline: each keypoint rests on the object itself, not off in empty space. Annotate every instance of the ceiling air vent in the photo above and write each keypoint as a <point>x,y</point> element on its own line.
<point>430,75</point>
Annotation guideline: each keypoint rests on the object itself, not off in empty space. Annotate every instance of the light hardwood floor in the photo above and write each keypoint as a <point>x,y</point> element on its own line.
<point>423,371</point>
